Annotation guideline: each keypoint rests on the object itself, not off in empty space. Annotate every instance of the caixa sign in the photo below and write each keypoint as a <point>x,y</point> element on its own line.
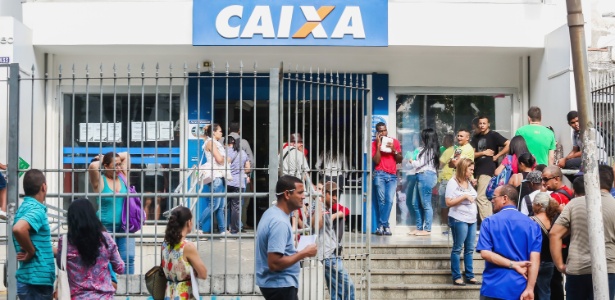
<point>290,22</point>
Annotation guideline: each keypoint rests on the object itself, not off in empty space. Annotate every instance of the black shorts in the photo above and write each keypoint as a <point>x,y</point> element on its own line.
<point>283,293</point>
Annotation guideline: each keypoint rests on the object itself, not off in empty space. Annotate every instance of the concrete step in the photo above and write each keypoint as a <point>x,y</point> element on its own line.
<point>383,276</point>
<point>413,262</point>
<point>424,291</point>
<point>399,249</point>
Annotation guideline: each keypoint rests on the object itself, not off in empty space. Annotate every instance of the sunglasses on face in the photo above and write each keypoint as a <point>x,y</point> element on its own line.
<point>546,179</point>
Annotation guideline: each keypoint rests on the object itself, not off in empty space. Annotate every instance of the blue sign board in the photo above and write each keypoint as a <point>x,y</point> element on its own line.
<point>290,23</point>
<point>5,59</point>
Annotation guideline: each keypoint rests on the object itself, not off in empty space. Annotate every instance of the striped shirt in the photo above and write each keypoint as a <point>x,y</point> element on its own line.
<point>40,270</point>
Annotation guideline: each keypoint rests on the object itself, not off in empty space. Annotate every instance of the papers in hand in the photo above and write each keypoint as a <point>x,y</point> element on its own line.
<point>195,284</point>
<point>383,145</point>
<point>305,241</point>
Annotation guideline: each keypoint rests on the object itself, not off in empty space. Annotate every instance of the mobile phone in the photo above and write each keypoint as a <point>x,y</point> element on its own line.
<point>457,151</point>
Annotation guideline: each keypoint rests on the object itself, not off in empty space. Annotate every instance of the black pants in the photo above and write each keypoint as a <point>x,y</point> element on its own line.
<point>557,281</point>
<point>233,205</point>
<point>285,293</point>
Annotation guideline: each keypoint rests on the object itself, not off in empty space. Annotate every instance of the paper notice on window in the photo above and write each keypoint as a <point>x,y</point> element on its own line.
<point>305,241</point>
<point>165,130</point>
<point>137,133</point>
<point>114,132</point>
<point>151,129</point>
<point>195,284</point>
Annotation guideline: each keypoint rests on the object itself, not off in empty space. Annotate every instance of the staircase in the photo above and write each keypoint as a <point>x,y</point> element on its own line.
<point>416,269</point>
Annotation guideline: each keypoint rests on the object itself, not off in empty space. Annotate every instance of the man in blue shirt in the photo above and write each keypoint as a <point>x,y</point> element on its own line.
<point>32,240</point>
<point>277,260</point>
<point>510,244</point>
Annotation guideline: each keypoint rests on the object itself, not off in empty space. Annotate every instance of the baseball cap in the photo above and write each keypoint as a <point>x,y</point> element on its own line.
<point>330,186</point>
<point>534,177</point>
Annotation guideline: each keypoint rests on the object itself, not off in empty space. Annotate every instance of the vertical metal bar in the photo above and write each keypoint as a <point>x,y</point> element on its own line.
<point>367,149</point>
<point>275,78</point>
<point>12,172</point>
<point>254,159</point>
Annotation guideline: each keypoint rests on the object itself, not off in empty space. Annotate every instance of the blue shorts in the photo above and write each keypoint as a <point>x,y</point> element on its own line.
<point>2,182</point>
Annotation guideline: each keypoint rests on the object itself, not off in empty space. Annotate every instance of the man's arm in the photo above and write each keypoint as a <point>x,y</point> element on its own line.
<point>278,262</point>
<point>502,152</point>
<point>532,273</point>
<point>551,157</point>
<point>21,231</point>
<point>576,152</point>
<point>520,266</point>
<point>555,244</point>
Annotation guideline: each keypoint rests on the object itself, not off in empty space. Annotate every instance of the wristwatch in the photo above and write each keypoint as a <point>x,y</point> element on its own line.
<point>511,265</point>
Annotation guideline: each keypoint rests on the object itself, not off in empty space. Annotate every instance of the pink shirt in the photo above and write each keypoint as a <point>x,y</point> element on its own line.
<point>387,160</point>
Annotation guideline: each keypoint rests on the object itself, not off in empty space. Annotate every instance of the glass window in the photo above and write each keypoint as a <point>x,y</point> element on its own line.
<point>148,124</point>
<point>446,114</point>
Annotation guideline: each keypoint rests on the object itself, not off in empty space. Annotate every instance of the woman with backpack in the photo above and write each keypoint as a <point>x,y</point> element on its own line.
<point>426,166</point>
<point>461,200</point>
<point>525,166</point>
<point>516,147</point>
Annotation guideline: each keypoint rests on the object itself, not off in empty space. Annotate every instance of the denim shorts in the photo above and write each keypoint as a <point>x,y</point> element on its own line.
<point>2,182</point>
<point>34,292</point>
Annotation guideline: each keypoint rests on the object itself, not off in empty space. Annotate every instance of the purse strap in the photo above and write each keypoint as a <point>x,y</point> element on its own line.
<point>64,250</point>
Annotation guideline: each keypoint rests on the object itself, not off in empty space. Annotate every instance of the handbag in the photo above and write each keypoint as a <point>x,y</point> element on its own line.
<point>156,282</point>
<point>62,285</point>
<point>133,217</point>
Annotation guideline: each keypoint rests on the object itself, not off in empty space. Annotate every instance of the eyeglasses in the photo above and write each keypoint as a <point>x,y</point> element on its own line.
<point>280,193</point>
<point>546,179</point>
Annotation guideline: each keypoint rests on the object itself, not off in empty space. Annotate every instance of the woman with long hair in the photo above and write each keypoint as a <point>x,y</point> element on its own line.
<point>179,256</point>
<point>89,254</point>
<point>516,147</point>
<point>111,166</point>
<point>461,200</point>
<point>426,166</point>
<point>214,153</point>
<point>239,165</point>
<point>545,210</point>
<point>526,165</point>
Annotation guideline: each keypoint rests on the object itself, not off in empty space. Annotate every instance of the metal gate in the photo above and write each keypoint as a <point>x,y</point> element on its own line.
<point>603,94</point>
<point>160,116</point>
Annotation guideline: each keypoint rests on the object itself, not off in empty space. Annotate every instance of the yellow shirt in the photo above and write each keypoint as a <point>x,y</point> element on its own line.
<point>447,172</point>
<point>467,151</point>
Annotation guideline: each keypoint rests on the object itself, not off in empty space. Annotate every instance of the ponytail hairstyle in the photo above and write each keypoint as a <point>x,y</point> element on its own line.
<point>179,216</point>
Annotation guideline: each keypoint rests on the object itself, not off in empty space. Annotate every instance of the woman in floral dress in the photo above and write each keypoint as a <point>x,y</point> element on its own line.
<point>90,255</point>
<point>179,256</point>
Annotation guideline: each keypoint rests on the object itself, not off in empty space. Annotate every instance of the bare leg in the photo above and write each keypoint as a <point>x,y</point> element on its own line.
<point>3,199</point>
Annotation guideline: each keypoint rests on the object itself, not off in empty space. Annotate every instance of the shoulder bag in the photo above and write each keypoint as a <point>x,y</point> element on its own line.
<point>133,216</point>
<point>156,281</point>
<point>62,285</point>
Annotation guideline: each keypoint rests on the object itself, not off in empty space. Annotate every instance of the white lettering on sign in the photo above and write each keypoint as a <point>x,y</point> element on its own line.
<point>260,22</point>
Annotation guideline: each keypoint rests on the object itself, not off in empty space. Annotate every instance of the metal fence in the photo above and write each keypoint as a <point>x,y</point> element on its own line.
<point>61,121</point>
<point>603,94</point>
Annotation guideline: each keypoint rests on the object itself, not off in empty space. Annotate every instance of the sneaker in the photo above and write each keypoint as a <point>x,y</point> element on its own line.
<point>387,231</point>
<point>2,213</point>
<point>380,230</point>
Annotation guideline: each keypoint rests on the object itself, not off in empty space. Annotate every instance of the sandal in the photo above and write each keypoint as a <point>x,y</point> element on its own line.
<point>473,281</point>
<point>459,282</point>
<point>423,233</point>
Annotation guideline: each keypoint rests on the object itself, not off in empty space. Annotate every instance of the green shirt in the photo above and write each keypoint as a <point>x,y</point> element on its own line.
<point>40,270</point>
<point>539,139</point>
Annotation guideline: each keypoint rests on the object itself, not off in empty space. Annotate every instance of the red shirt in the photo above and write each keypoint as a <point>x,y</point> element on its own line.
<point>561,198</point>
<point>338,207</point>
<point>387,160</point>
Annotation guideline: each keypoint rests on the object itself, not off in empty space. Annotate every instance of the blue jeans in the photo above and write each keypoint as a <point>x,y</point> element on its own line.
<point>217,186</point>
<point>580,287</point>
<point>411,194</point>
<point>338,281</point>
<point>423,212</point>
<point>385,185</point>
<point>542,290</point>
<point>34,292</point>
<point>464,234</point>
<point>126,248</point>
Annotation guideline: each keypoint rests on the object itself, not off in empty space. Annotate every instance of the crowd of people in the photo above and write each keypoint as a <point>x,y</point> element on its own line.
<point>529,216</point>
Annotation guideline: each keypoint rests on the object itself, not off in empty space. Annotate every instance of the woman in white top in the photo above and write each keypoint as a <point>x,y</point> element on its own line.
<point>461,200</point>
<point>426,164</point>
<point>214,152</point>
